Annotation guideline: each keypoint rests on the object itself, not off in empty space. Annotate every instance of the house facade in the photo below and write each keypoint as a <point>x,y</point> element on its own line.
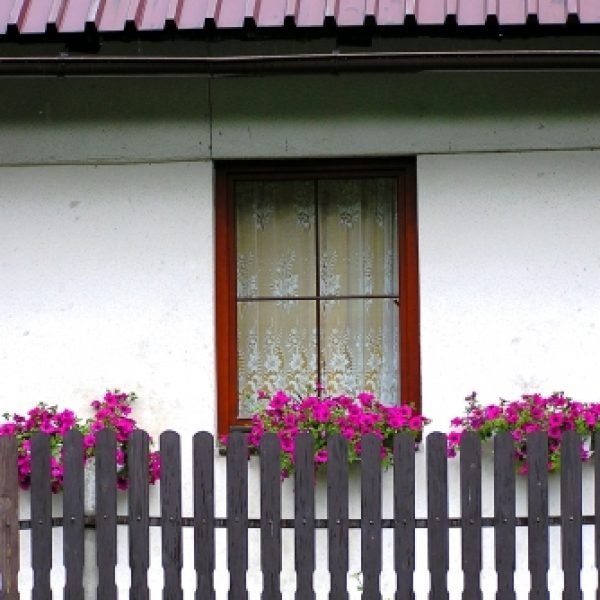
<point>117,127</point>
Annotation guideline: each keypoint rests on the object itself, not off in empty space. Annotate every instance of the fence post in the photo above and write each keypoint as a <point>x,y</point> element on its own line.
<point>9,519</point>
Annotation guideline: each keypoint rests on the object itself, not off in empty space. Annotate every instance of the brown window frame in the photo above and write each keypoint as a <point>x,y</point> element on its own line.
<point>226,175</point>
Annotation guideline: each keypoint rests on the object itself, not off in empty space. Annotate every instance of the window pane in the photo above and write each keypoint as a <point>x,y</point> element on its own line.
<point>358,236</point>
<point>276,349</point>
<point>275,238</point>
<point>360,345</point>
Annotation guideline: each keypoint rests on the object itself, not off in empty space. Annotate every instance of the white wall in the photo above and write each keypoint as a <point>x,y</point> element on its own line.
<point>107,269</point>
<point>510,276</point>
<point>107,282</point>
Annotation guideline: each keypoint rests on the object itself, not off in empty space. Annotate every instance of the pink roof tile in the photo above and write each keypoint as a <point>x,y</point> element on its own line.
<point>33,16</point>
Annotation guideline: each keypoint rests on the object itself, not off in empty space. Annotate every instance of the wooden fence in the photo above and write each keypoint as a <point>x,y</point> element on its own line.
<point>237,522</point>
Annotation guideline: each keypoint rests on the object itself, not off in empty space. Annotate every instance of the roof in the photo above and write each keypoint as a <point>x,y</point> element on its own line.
<point>72,16</point>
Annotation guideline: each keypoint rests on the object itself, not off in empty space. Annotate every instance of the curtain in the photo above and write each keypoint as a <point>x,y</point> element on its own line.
<point>317,288</point>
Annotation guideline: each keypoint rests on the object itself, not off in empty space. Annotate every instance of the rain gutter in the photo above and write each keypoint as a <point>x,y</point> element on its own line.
<point>65,65</point>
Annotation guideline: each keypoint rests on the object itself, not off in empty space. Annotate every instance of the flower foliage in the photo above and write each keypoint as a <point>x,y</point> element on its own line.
<point>351,417</point>
<point>553,414</point>
<point>112,412</point>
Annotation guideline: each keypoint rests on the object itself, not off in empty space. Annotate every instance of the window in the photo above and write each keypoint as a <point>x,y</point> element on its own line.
<point>316,281</point>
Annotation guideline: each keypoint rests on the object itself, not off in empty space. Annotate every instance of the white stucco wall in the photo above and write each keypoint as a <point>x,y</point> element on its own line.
<point>510,276</point>
<point>107,268</point>
<point>108,282</point>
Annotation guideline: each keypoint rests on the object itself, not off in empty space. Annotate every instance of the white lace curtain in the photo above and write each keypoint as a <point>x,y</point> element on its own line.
<point>294,328</point>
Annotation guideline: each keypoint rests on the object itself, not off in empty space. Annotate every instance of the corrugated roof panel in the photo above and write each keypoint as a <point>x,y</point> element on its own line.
<point>5,10</point>
<point>589,11</point>
<point>72,15</point>
<point>512,12</point>
<point>349,12</point>
<point>310,14</point>
<point>151,14</point>
<point>390,12</point>
<point>269,13</point>
<point>112,15</point>
<point>552,11</point>
<point>431,12</point>
<point>230,13</point>
<point>33,17</point>
<point>471,12</point>
<point>190,15</point>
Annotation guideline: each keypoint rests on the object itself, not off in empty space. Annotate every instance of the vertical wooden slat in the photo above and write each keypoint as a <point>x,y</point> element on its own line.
<point>41,513</point>
<point>237,515</point>
<point>9,519</point>
<point>106,513</point>
<point>437,514</point>
<point>537,509</point>
<point>570,507</point>
<point>170,510</point>
<point>470,502</point>
<point>73,547</point>
<point>304,523</point>
<point>370,482</point>
<point>139,534</point>
<point>504,514</point>
<point>404,515</point>
<point>270,516</point>
<point>337,515</point>
<point>204,515</point>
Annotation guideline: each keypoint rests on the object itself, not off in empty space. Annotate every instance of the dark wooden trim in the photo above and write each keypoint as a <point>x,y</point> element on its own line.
<point>227,174</point>
<point>226,316</point>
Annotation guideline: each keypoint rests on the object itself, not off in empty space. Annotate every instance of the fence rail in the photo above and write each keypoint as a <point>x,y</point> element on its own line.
<point>338,523</point>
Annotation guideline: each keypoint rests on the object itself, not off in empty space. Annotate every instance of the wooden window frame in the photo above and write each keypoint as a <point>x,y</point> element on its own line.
<point>226,175</point>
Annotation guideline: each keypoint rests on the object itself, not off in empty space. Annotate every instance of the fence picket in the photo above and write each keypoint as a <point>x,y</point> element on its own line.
<point>470,503</point>
<point>304,517</point>
<point>437,513</point>
<point>404,515</point>
<point>537,509</point>
<point>337,515</point>
<point>204,515</point>
<point>106,513</point>
<point>73,547</point>
<point>570,503</point>
<point>404,523</point>
<point>170,511</point>
<point>139,535</point>
<point>504,514</point>
<point>237,515</point>
<point>270,517</point>
<point>9,519</point>
<point>41,513</point>
<point>370,482</point>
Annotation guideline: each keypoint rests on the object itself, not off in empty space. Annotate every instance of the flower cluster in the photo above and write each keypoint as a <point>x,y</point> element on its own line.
<point>112,412</point>
<point>351,417</point>
<point>532,412</point>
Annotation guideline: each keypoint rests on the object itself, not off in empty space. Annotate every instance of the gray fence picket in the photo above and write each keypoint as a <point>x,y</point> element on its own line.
<point>9,519</point>
<point>337,516</point>
<point>204,515</point>
<point>73,546</point>
<point>437,513</point>
<point>41,517</point>
<point>237,515</point>
<point>537,510</point>
<point>304,517</point>
<point>170,512</point>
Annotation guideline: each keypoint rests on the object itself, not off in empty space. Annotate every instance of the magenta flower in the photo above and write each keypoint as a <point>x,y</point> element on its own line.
<point>331,415</point>
<point>552,414</point>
